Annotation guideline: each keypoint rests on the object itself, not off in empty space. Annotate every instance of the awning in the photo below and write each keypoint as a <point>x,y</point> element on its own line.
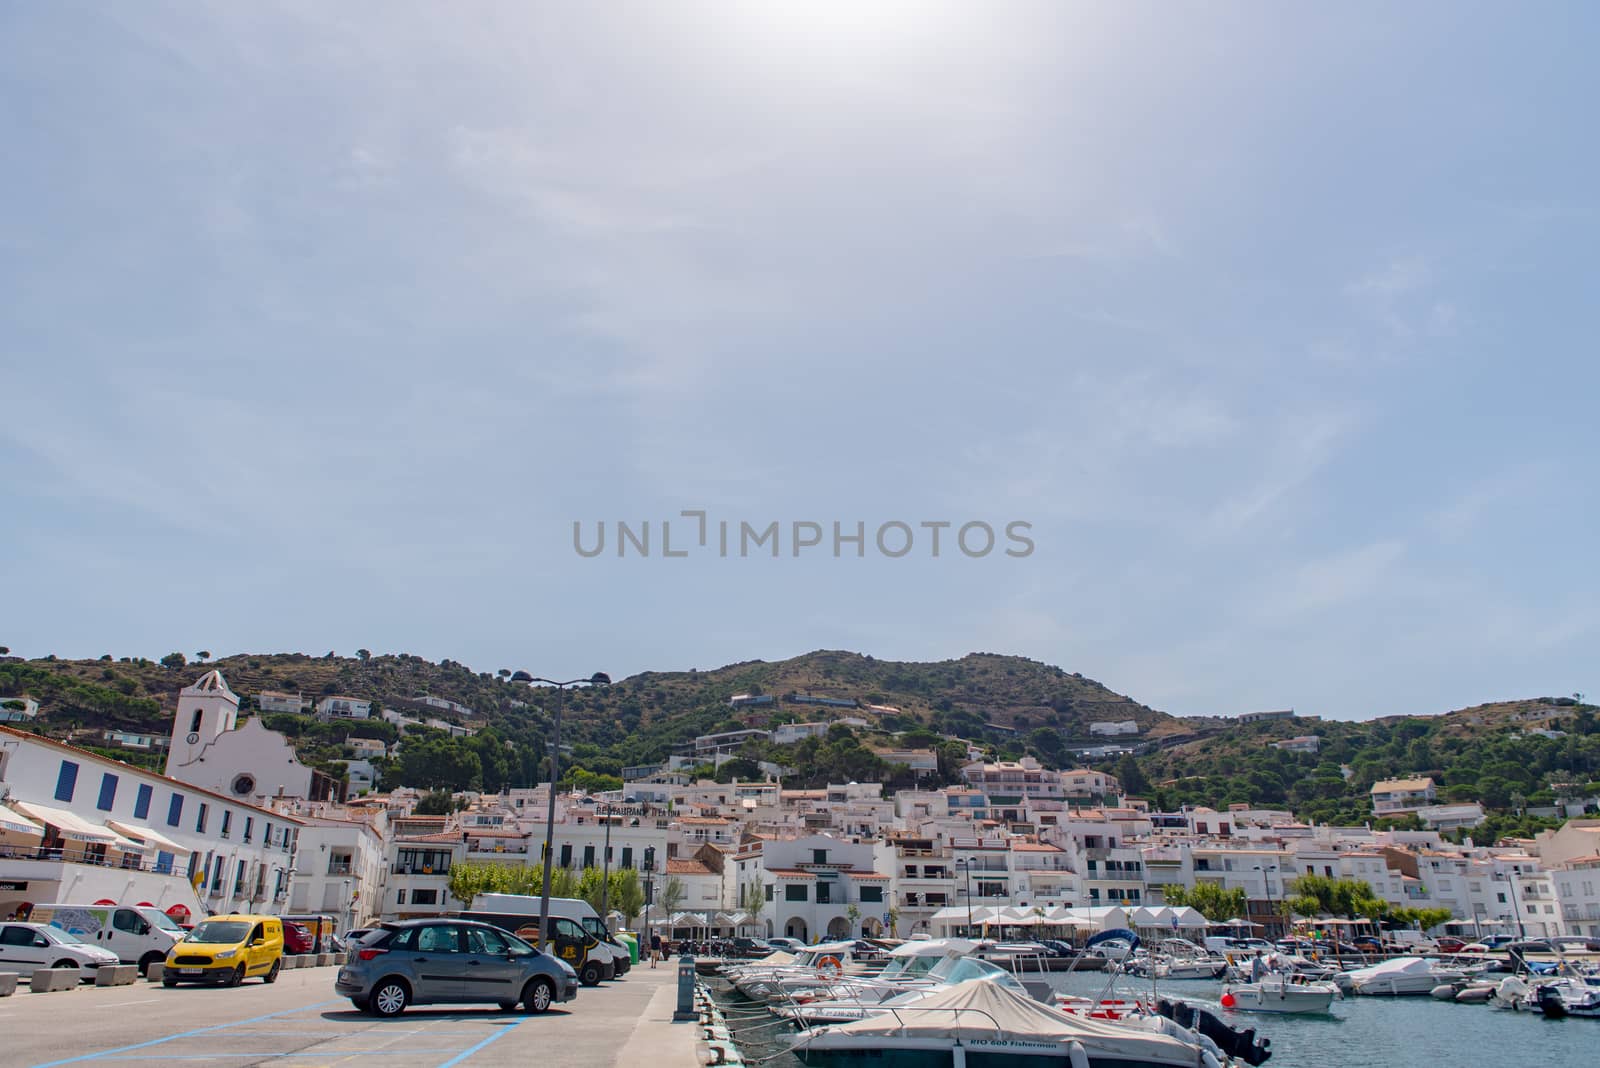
<point>149,837</point>
<point>15,821</point>
<point>70,824</point>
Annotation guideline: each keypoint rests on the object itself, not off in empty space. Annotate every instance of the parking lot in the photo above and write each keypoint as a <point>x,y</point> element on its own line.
<point>298,1021</point>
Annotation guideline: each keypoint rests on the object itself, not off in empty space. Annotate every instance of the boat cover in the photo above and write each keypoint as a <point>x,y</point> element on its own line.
<point>1397,966</point>
<point>775,959</point>
<point>979,1009</point>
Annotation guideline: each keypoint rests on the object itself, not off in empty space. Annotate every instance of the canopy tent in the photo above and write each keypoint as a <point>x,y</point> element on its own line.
<point>1237,924</point>
<point>71,825</point>
<point>11,820</point>
<point>151,838</point>
<point>947,920</point>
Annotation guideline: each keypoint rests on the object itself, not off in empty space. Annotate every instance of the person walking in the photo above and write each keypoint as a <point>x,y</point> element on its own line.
<point>655,947</point>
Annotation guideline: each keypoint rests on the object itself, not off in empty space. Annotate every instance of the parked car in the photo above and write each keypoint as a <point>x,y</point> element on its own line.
<point>427,962</point>
<point>1489,944</point>
<point>1250,945</point>
<point>296,939</point>
<point>787,945</point>
<point>751,947</point>
<point>1449,944</point>
<point>1576,944</point>
<point>1369,944</point>
<point>1059,949</point>
<point>25,947</point>
<point>354,935</point>
<point>227,950</point>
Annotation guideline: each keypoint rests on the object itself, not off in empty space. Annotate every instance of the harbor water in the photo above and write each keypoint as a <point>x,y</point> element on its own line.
<point>1359,1032</point>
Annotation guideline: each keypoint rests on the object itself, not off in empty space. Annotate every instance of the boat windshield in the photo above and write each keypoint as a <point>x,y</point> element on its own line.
<point>953,970</point>
<point>909,967</point>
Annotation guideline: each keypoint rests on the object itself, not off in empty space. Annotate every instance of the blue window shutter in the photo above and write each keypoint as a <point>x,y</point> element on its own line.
<point>141,803</point>
<point>66,780</point>
<point>108,792</point>
<point>175,810</point>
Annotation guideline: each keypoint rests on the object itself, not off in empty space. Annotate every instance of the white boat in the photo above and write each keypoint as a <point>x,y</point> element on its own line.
<point>1279,993</point>
<point>994,1025</point>
<point>1572,996</point>
<point>1398,977</point>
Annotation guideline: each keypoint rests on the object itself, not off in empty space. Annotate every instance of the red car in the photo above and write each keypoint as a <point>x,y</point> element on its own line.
<point>296,939</point>
<point>1450,945</point>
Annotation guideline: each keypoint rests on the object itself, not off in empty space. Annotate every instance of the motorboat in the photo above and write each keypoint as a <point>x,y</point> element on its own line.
<point>1571,996</point>
<point>873,998</point>
<point>813,966</point>
<point>991,1024</point>
<point>1398,977</point>
<point>1277,992</point>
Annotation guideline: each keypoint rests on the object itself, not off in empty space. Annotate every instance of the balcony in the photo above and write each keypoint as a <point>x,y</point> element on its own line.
<point>419,869</point>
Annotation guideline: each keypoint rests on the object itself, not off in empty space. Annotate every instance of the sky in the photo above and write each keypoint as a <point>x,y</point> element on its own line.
<point>321,325</point>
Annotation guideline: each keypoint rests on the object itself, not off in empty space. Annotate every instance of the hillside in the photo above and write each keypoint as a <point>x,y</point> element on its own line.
<point>635,720</point>
<point>1489,753</point>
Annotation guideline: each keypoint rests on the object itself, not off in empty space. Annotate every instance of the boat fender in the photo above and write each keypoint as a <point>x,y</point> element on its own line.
<point>1077,1056</point>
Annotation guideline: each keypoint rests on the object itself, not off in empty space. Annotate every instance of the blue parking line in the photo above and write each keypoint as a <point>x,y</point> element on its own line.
<point>318,1055</point>
<point>470,1050</point>
<point>182,1034</point>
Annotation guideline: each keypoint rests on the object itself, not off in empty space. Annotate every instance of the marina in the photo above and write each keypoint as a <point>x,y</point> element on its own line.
<point>1378,1029</point>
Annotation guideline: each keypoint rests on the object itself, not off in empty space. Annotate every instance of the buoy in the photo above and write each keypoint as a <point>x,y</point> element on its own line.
<point>1229,1001</point>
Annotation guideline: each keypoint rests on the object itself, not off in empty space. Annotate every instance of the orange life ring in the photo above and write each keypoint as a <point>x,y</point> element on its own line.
<point>830,964</point>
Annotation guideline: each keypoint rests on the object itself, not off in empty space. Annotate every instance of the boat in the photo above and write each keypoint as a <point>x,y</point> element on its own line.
<point>1279,993</point>
<point>984,1023</point>
<point>859,999</point>
<point>1572,996</point>
<point>1398,977</point>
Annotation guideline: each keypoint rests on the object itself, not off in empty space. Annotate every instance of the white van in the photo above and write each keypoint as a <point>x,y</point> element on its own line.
<point>605,949</point>
<point>137,934</point>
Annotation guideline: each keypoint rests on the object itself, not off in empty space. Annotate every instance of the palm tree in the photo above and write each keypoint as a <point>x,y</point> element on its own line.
<point>854,915</point>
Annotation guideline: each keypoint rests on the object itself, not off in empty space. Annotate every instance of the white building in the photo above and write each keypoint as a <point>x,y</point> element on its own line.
<point>274,701</point>
<point>1395,797</point>
<point>816,883</point>
<point>339,871</point>
<point>1110,728</point>
<point>83,827</point>
<point>18,709</point>
<point>249,763</point>
<point>1305,743</point>
<point>343,708</point>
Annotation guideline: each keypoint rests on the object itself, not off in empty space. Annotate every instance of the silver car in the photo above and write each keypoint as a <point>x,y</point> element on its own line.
<point>425,962</point>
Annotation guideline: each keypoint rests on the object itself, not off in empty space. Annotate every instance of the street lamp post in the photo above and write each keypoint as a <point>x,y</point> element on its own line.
<point>966,867</point>
<point>1266,881</point>
<point>605,868</point>
<point>1511,882</point>
<point>599,678</point>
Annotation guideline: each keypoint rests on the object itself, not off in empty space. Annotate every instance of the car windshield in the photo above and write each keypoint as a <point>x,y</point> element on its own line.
<point>220,931</point>
<point>593,925</point>
<point>161,920</point>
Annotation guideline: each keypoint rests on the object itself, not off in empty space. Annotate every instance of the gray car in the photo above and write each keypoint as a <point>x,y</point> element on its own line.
<point>426,962</point>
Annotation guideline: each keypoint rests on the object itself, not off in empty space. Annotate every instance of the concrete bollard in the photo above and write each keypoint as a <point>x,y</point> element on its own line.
<point>8,984</point>
<point>48,979</point>
<point>116,974</point>
<point>155,971</point>
<point>324,959</point>
<point>291,962</point>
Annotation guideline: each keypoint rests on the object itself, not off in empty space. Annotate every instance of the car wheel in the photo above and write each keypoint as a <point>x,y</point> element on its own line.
<point>538,995</point>
<point>236,978</point>
<point>390,998</point>
<point>590,976</point>
<point>65,963</point>
<point>507,1006</point>
<point>272,976</point>
<point>147,960</point>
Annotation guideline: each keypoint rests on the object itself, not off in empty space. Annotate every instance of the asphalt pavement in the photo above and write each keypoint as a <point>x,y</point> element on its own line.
<point>299,1022</point>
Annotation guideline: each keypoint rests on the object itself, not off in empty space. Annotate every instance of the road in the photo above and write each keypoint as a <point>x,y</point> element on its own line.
<point>298,1022</point>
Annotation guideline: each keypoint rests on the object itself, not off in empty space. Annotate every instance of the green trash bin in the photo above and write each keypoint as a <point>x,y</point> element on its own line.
<point>629,939</point>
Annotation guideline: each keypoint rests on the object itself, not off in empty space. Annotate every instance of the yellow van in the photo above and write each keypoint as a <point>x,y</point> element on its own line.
<point>227,950</point>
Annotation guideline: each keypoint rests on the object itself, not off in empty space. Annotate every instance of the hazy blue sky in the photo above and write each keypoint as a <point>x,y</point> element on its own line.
<point>322,324</point>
